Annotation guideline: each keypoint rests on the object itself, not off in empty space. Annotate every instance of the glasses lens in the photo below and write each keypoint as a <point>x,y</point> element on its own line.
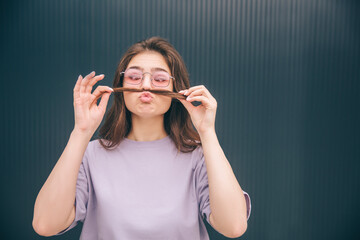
<point>133,76</point>
<point>161,79</point>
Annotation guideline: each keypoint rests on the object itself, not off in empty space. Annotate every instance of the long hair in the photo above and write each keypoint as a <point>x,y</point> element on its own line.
<point>177,121</point>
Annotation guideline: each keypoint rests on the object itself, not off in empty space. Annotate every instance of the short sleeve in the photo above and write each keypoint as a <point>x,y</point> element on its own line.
<point>202,187</point>
<point>81,196</point>
<point>248,204</point>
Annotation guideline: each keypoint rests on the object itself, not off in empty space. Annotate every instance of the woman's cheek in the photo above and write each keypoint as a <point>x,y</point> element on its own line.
<point>128,102</point>
<point>167,104</point>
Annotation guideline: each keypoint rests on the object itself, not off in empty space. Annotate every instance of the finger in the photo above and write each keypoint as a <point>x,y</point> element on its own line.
<point>190,90</point>
<point>77,87</point>
<point>93,81</point>
<point>104,101</point>
<point>100,90</point>
<point>198,92</point>
<point>204,92</point>
<point>85,81</point>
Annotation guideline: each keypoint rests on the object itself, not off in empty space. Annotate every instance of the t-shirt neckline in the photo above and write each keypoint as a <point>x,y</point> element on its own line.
<point>153,143</point>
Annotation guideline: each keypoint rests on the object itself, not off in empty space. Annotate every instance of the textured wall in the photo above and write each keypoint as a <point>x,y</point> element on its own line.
<point>285,74</point>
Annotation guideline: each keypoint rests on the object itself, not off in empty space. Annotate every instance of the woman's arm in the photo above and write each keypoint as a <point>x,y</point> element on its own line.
<point>227,202</point>
<point>54,205</point>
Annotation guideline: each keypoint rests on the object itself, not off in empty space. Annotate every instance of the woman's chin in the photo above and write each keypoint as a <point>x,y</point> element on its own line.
<point>146,114</point>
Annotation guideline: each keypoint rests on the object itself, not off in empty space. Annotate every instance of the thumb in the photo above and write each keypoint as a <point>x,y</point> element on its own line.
<point>104,101</point>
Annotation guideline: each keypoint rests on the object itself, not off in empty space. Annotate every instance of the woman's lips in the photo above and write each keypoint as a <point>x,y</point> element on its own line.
<point>146,97</point>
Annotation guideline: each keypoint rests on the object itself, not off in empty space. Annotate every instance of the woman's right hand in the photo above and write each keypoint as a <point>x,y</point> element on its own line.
<point>88,115</point>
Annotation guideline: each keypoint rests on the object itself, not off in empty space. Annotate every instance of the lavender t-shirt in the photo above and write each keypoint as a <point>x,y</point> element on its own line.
<point>142,190</point>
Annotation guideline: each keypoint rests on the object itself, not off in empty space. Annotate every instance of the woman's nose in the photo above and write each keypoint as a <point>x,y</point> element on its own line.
<point>146,82</point>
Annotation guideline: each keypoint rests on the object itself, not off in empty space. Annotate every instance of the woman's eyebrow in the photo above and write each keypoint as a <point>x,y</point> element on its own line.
<point>136,67</point>
<point>158,69</point>
<point>152,69</point>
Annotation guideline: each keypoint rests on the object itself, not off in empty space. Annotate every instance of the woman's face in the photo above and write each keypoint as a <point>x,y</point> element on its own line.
<point>145,104</point>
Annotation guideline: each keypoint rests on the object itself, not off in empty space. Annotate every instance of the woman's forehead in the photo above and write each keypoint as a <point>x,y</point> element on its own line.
<point>149,60</point>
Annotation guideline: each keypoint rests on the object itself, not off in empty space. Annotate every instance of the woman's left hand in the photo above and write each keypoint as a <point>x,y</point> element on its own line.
<point>202,116</point>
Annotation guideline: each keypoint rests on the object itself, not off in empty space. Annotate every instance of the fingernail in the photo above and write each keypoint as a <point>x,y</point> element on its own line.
<point>188,98</point>
<point>186,92</point>
<point>111,89</point>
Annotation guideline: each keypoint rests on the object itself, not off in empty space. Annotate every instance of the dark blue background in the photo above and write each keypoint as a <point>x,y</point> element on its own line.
<point>285,74</point>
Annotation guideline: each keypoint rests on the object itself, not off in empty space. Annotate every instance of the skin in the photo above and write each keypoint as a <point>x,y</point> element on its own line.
<point>147,118</point>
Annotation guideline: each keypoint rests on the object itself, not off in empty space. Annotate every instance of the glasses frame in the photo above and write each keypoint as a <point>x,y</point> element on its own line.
<point>142,79</point>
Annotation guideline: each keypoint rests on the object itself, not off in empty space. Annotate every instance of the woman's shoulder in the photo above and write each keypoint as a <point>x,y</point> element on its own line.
<point>94,143</point>
<point>94,146</point>
<point>95,151</point>
<point>198,150</point>
<point>197,156</point>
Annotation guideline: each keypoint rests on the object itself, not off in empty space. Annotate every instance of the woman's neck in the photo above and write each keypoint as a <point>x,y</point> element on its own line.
<point>147,129</point>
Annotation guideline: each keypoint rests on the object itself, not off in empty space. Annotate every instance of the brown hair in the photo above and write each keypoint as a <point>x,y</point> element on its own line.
<point>177,121</point>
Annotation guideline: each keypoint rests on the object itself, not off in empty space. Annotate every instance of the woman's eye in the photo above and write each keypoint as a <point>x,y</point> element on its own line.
<point>159,79</point>
<point>134,77</point>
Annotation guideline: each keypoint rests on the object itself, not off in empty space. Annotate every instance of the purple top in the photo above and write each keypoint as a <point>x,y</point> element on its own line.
<point>143,190</point>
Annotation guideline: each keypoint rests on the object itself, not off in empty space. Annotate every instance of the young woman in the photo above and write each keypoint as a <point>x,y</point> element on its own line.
<point>150,175</point>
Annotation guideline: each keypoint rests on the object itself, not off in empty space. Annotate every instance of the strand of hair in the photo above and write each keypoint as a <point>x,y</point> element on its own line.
<point>155,91</point>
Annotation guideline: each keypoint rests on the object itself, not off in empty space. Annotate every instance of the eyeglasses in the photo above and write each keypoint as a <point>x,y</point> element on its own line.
<point>158,78</point>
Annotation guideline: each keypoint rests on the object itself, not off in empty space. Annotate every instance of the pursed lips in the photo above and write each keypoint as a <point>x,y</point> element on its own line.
<point>146,97</point>
<point>146,94</point>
